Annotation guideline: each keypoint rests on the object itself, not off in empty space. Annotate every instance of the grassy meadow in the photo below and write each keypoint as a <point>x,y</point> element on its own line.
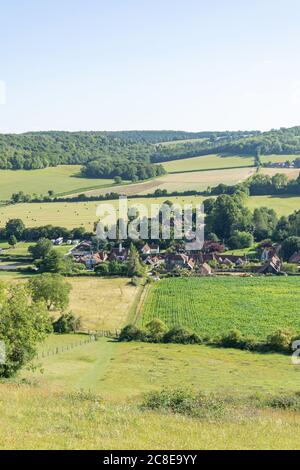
<point>213,306</point>
<point>102,304</point>
<point>39,420</point>
<point>89,398</point>
<point>208,162</point>
<point>283,205</point>
<point>60,179</point>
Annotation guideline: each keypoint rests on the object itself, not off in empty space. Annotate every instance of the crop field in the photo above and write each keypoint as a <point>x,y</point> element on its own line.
<point>207,162</point>
<point>194,180</point>
<point>201,180</point>
<point>60,179</point>
<point>291,173</point>
<point>212,306</point>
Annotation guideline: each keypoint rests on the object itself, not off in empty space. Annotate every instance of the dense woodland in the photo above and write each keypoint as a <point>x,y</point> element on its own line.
<point>36,150</point>
<point>130,155</point>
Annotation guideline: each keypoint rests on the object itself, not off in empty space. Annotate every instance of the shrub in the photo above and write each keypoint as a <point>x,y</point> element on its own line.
<point>233,339</point>
<point>280,341</point>
<point>67,323</point>
<point>181,335</point>
<point>132,333</point>
<point>286,402</point>
<point>185,402</point>
<point>156,329</point>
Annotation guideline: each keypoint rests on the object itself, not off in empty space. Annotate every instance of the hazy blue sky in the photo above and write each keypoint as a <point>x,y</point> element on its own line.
<point>139,64</point>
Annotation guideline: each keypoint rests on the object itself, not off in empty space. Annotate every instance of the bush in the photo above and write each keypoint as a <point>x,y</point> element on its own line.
<point>67,323</point>
<point>286,402</point>
<point>281,340</point>
<point>156,329</point>
<point>185,402</point>
<point>182,336</point>
<point>233,339</point>
<point>132,333</point>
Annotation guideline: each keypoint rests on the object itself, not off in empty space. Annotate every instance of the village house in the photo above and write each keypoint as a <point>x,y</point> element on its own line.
<point>154,261</point>
<point>118,254</point>
<point>179,261</point>
<point>82,249</point>
<point>152,249</point>
<point>272,266</point>
<point>220,259</point>
<point>93,259</point>
<point>205,270</point>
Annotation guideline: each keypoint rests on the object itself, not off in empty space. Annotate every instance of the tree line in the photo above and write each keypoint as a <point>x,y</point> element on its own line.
<point>121,170</point>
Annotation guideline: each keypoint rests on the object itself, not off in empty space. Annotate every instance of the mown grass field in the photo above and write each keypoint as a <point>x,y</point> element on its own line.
<point>213,306</point>
<point>207,162</point>
<point>60,179</point>
<point>72,214</point>
<point>83,214</point>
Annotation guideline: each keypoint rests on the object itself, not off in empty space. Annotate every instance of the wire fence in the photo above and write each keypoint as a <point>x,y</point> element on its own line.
<point>90,337</point>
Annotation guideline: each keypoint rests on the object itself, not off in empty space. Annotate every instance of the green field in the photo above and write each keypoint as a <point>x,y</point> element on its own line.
<point>60,179</point>
<point>207,162</point>
<point>278,158</point>
<point>283,205</point>
<point>213,306</point>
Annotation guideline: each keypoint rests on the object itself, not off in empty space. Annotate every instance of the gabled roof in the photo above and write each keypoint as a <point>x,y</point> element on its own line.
<point>274,264</point>
<point>295,258</point>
